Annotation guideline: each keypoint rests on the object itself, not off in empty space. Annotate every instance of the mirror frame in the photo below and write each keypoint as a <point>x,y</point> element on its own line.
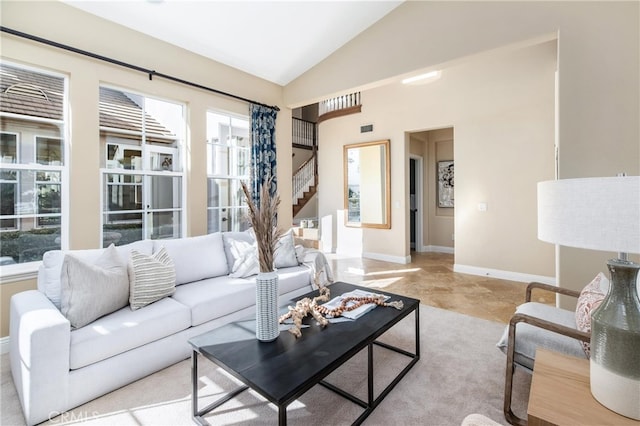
<point>386,223</point>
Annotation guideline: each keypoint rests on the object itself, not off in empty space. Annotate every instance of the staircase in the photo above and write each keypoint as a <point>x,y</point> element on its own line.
<point>305,179</point>
<point>305,136</point>
<point>304,183</point>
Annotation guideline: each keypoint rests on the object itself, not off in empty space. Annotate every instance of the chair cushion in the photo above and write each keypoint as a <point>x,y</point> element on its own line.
<point>92,290</point>
<point>590,298</point>
<point>126,329</point>
<point>529,338</point>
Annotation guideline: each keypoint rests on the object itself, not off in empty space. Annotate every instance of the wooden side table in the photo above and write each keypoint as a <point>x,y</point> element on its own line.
<point>560,394</point>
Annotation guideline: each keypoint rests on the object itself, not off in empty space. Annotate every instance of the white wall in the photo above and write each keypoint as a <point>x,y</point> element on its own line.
<point>598,87</point>
<point>501,107</point>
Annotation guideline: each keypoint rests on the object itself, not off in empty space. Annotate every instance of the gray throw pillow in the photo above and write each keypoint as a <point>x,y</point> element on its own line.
<point>90,291</point>
<point>152,277</point>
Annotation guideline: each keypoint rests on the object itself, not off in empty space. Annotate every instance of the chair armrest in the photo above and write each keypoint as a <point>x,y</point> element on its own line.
<point>547,325</point>
<point>39,345</point>
<point>551,288</point>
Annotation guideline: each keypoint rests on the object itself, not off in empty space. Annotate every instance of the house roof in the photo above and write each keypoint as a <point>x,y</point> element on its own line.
<point>119,111</point>
<point>30,93</point>
<point>23,92</point>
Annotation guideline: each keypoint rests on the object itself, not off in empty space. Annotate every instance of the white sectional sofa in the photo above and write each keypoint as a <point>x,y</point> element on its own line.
<point>56,367</point>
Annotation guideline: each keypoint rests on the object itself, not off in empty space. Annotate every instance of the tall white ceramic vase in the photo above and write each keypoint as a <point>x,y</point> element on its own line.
<point>267,327</point>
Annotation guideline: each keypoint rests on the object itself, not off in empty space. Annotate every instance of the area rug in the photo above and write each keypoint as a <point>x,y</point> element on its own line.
<point>460,372</point>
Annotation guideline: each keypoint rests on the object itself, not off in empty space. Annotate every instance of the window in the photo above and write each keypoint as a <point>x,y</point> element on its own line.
<point>32,163</point>
<point>228,164</point>
<point>142,142</point>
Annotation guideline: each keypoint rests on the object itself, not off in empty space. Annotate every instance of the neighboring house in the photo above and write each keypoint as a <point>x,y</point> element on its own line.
<point>32,155</point>
<point>32,159</point>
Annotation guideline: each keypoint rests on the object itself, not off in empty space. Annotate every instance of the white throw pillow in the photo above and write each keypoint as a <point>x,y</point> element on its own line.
<point>285,255</point>
<point>92,290</point>
<point>228,238</point>
<point>246,258</point>
<point>151,278</point>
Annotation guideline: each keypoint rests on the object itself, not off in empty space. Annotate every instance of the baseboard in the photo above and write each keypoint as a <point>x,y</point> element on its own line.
<point>385,257</point>
<point>503,275</point>
<point>4,345</point>
<point>438,249</point>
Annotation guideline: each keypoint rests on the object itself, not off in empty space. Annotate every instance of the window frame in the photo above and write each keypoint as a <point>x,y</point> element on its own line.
<point>235,212</point>
<point>113,136</point>
<point>20,165</point>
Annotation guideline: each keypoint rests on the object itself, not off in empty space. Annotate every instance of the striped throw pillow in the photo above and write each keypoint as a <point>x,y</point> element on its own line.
<point>151,278</point>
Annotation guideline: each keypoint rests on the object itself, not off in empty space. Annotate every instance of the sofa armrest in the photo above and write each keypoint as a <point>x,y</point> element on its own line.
<point>39,343</point>
<point>551,288</point>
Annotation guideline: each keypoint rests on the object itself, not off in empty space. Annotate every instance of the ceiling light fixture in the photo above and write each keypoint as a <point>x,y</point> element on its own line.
<point>423,78</point>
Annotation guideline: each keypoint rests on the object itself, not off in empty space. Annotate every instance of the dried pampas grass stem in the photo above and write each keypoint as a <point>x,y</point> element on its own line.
<point>263,220</point>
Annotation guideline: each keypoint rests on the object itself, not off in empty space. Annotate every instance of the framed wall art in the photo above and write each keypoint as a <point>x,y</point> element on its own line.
<point>445,184</point>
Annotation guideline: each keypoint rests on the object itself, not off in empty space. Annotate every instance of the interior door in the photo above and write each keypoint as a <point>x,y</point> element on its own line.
<point>413,208</point>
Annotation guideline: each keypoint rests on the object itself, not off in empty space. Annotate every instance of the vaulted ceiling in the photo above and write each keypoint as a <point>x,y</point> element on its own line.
<point>274,40</point>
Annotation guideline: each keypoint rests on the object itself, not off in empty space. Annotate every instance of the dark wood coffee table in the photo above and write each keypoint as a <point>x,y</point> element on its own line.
<point>283,370</point>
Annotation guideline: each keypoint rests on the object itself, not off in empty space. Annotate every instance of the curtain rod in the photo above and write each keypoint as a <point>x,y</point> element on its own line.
<point>149,72</point>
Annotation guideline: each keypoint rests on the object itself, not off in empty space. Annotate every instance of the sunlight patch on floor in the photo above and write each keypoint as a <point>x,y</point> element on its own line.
<point>380,283</point>
<point>361,272</point>
<point>393,271</point>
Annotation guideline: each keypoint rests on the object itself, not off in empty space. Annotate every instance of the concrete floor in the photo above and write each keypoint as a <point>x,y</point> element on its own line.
<point>430,278</point>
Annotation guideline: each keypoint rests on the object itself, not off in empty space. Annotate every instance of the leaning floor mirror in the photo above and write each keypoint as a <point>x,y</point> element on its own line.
<point>367,185</point>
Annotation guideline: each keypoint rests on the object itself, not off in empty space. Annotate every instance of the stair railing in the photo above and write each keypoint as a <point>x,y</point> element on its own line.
<point>304,178</point>
<point>339,102</point>
<point>303,133</point>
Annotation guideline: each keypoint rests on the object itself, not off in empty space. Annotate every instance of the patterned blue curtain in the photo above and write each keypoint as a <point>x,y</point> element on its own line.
<point>263,149</point>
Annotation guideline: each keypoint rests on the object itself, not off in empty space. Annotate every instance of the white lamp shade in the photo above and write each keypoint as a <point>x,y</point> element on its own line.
<point>593,213</point>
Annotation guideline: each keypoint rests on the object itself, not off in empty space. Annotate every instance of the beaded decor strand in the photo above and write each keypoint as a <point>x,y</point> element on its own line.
<point>314,307</point>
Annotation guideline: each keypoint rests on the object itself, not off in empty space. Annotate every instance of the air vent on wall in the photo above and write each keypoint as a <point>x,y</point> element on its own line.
<point>367,128</point>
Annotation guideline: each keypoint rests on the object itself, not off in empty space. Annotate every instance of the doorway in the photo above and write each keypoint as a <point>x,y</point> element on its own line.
<point>416,217</point>
<point>431,220</point>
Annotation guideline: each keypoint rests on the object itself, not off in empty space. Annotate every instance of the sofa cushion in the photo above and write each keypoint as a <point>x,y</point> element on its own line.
<point>151,278</point>
<point>529,338</point>
<point>125,329</point>
<point>50,271</point>
<point>196,258</point>
<point>590,298</point>
<point>92,290</point>
<point>214,298</point>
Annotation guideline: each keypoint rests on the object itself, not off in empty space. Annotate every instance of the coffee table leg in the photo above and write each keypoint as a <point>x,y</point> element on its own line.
<point>194,385</point>
<point>370,375</point>
<point>282,415</point>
